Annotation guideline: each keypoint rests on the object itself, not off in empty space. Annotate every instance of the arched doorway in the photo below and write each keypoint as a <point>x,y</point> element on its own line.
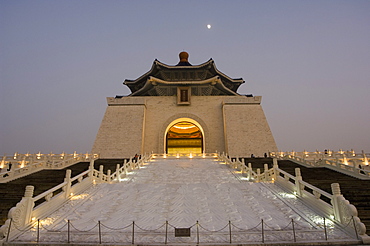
<point>184,136</point>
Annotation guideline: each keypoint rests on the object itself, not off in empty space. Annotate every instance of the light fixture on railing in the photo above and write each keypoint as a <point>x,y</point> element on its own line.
<point>23,163</point>
<point>165,155</point>
<point>366,162</point>
<point>15,155</point>
<point>345,160</point>
<point>191,155</point>
<point>177,155</point>
<point>38,156</point>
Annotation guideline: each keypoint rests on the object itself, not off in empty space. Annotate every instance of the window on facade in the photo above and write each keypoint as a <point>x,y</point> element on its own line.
<point>183,95</point>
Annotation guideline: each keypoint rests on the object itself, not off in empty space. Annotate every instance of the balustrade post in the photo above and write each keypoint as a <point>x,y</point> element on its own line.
<point>249,171</point>
<point>266,171</point>
<point>125,167</point>
<point>275,167</point>
<point>109,178</point>
<point>91,168</point>
<point>21,214</point>
<point>118,174</point>
<point>11,172</point>
<point>258,175</point>
<point>243,167</point>
<point>101,172</point>
<point>298,179</point>
<point>68,182</point>
<point>28,202</point>
<point>336,195</point>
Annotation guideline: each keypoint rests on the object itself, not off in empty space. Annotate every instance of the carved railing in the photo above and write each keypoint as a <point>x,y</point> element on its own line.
<point>20,165</point>
<point>348,154</point>
<point>24,214</point>
<point>349,163</point>
<point>350,157</point>
<point>333,206</point>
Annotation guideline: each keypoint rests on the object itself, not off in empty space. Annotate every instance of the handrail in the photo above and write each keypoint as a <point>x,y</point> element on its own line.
<point>338,206</point>
<point>21,165</point>
<point>52,190</point>
<point>314,188</point>
<point>335,165</point>
<point>55,188</point>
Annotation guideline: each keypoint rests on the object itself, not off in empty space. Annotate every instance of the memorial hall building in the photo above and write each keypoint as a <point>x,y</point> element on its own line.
<point>184,109</point>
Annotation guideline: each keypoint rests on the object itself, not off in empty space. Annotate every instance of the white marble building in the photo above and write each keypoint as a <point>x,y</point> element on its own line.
<point>181,109</point>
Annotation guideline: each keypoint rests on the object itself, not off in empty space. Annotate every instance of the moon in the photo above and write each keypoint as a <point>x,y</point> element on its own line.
<point>209,26</point>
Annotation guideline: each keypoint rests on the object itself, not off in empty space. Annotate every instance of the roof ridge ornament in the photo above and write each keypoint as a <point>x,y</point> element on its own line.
<point>183,59</point>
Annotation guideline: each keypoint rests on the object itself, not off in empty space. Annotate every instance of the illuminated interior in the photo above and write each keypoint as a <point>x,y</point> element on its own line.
<point>184,137</point>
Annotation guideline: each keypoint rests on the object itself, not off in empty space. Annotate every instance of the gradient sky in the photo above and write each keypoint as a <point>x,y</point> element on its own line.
<point>59,60</point>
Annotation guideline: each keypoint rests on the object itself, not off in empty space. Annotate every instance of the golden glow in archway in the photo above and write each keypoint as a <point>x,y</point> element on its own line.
<point>184,135</point>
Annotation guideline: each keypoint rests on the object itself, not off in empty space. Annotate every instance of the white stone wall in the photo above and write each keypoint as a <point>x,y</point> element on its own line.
<point>234,124</point>
<point>246,129</point>
<point>120,133</point>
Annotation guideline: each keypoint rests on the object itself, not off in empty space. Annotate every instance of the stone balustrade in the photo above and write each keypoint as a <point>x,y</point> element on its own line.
<point>333,206</point>
<point>347,162</point>
<point>19,165</point>
<point>24,214</point>
<point>349,157</point>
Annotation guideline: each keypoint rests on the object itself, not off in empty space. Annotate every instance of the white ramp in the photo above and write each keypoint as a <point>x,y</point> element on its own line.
<point>182,192</point>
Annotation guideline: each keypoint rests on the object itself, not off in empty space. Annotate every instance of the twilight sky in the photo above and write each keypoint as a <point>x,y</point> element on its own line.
<point>59,60</point>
